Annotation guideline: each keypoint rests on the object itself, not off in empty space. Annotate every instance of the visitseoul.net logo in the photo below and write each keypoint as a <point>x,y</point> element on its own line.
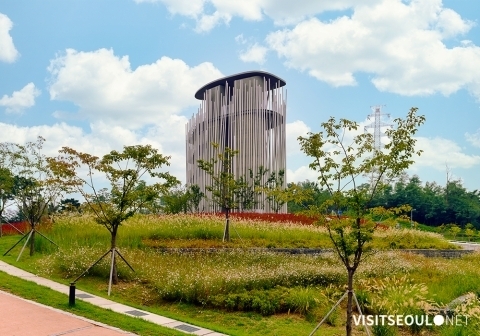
<point>408,320</point>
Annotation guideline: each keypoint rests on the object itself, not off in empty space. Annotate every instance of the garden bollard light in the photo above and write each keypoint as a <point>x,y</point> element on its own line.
<point>71,296</point>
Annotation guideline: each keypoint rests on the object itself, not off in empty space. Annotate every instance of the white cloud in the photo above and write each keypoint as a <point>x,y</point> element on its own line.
<point>473,139</point>
<point>190,8</point>
<point>20,100</point>
<point>400,44</point>
<point>206,22</point>
<point>255,53</point>
<point>240,39</point>
<point>124,106</point>
<point>293,131</point>
<point>301,174</point>
<point>8,53</point>
<point>127,106</point>
<point>195,9</point>
<point>280,11</point>
<point>439,151</point>
<point>105,87</point>
<point>102,138</point>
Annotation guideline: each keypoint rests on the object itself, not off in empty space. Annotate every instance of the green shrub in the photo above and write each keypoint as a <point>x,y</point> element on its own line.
<point>264,302</point>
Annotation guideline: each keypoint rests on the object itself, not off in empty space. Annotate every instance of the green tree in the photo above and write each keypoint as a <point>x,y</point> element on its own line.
<point>224,186</point>
<point>339,167</point>
<point>35,188</point>
<point>182,199</point>
<point>454,230</point>
<point>6,191</point>
<point>249,189</point>
<point>313,196</point>
<point>470,231</point>
<point>175,200</point>
<point>275,190</point>
<point>69,205</point>
<point>127,193</point>
<point>194,197</point>
<point>279,196</point>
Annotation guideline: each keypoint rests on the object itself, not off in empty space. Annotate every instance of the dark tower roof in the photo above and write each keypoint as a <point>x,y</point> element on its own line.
<point>275,81</point>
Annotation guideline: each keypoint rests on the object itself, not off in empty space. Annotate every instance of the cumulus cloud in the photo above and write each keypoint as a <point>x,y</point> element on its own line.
<point>20,100</point>
<point>401,44</point>
<point>8,53</point>
<point>105,87</point>
<point>103,138</point>
<point>301,174</point>
<point>255,53</point>
<point>392,40</point>
<point>280,11</point>
<point>438,151</point>
<point>123,106</point>
<point>293,131</point>
<point>195,9</point>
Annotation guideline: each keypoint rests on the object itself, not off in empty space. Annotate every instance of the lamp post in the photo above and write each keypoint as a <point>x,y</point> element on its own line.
<point>411,217</point>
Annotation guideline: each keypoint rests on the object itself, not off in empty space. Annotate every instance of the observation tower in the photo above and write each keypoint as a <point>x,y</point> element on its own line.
<point>244,112</point>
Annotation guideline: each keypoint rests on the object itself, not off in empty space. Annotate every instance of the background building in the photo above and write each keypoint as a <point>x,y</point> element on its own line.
<point>244,112</point>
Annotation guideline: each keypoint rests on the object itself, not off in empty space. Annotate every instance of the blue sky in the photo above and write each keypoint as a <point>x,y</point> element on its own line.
<point>97,75</point>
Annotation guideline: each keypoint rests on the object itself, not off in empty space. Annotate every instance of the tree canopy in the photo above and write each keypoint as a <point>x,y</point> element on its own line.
<point>126,194</point>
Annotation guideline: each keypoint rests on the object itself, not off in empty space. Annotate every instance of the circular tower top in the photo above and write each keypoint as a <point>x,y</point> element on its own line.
<point>274,81</point>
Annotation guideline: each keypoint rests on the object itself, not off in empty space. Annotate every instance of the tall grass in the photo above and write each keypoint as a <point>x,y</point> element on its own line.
<point>266,282</point>
<point>206,231</point>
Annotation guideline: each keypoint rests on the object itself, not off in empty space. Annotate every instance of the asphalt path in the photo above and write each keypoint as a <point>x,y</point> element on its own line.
<point>467,245</point>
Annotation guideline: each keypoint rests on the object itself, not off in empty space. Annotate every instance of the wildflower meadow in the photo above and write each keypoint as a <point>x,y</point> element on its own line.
<point>182,268</point>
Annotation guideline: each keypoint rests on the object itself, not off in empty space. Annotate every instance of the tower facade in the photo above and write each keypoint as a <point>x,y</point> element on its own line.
<point>244,112</point>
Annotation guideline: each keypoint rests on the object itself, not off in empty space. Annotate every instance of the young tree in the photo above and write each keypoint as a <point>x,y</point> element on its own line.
<point>223,185</point>
<point>175,200</point>
<point>250,188</point>
<point>6,191</point>
<point>455,230</point>
<point>35,187</point>
<point>182,199</point>
<point>313,195</point>
<point>194,197</point>
<point>275,190</point>
<point>340,166</point>
<point>469,231</point>
<point>293,193</point>
<point>127,192</point>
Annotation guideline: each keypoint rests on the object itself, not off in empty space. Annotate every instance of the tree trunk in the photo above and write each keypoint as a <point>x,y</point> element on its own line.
<point>348,326</point>
<point>226,233</point>
<point>113,246</point>
<point>32,242</point>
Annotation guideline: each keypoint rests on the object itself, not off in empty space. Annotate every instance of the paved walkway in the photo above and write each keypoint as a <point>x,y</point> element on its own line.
<point>19,316</point>
<point>22,317</point>
<point>467,245</point>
